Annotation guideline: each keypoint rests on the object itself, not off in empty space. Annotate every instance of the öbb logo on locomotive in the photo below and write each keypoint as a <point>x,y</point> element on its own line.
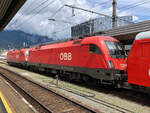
<point>66,56</point>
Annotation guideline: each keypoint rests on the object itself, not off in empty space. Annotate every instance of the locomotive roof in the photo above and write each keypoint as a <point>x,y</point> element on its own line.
<point>75,39</point>
<point>143,35</point>
<point>85,40</point>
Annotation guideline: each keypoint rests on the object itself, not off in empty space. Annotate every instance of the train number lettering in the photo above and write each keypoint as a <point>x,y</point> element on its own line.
<point>65,56</point>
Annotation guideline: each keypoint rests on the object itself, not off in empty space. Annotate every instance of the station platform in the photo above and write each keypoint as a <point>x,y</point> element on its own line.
<point>11,101</point>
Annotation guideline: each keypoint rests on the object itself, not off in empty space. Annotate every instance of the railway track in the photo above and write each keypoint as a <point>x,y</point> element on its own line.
<point>107,104</point>
<point>43,99</point>
<point>99,101</point>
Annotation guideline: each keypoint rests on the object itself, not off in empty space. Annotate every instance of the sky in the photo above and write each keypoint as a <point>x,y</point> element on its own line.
<point>33,16</point>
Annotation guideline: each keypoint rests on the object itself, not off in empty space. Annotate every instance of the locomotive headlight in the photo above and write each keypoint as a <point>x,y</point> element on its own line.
<point>111,64</point>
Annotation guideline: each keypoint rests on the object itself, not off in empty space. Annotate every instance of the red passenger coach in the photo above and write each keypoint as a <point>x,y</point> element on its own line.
<point>99,57</point>
<point>139,60</point>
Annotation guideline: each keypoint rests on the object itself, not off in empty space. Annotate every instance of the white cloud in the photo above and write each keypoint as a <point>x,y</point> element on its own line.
<point>44,23</point>
<point>31,22</point>
<point>135,18</point>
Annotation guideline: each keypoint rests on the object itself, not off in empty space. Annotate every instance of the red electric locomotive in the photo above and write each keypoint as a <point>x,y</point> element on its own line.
<point>17,57</point>
<point>98,57</point>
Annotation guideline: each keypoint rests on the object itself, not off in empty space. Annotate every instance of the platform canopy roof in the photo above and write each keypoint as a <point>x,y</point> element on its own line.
<point>127,33</point>
<point>8,9</point>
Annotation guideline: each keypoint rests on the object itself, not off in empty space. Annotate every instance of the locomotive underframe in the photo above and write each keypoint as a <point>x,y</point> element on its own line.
<point>105,76</point>
<point>112,77</point>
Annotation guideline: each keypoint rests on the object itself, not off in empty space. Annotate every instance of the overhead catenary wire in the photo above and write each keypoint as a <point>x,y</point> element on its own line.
<point>58,11</point>
<point>121,19</point>
<point>68,27</point>
<point>30,18</point>
<point>102,3</point>
<point>40,10</point>
<point>134,4</point>
<point>137,5</point>
<point>62,20</point>
<point>87,11</point>
<point>98,4</point>
<point>90,11</point>
<point>29,11</point>
<point>72,23</point>
<point>22,14</point>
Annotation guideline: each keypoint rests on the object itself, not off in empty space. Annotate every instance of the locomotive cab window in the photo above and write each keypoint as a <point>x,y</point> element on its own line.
<point>94,49</point>
<point>115,49</point>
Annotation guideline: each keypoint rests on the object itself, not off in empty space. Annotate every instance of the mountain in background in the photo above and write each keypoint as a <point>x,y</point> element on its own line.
<point>15,39</point>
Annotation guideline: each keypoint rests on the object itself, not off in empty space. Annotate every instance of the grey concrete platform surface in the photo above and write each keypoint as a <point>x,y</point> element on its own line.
<point>12,101</point>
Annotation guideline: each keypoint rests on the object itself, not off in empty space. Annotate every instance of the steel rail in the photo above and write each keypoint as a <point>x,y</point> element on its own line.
<point>25,92</point>
<point>60,95</point>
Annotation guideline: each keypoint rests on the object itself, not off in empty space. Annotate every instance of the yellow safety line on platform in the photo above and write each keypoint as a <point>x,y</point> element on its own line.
<point>5,103</point>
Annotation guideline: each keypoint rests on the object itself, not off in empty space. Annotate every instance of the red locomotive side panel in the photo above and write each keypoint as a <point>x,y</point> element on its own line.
<point>76,54</point>
<point>67,54</point>
<point>138,64</point>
